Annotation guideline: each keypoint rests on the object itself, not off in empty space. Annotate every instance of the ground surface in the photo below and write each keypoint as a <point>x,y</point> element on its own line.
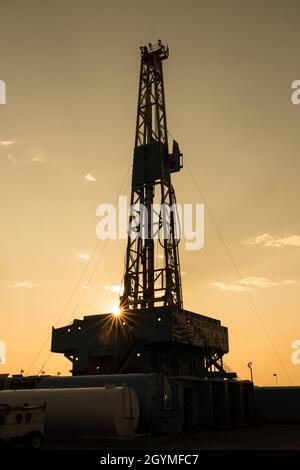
<point>258,437</point>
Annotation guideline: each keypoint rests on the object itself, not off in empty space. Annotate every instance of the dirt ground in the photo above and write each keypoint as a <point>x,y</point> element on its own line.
<point>258,437</point>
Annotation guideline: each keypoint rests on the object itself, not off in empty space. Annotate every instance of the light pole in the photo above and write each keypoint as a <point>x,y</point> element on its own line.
<point>276,379</point>
<point>251,371</point>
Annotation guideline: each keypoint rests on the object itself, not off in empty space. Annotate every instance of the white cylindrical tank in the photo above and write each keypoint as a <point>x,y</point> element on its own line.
<point>105,411</point>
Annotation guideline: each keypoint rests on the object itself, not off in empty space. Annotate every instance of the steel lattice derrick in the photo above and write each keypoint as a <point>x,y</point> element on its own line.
<point>145,284</point>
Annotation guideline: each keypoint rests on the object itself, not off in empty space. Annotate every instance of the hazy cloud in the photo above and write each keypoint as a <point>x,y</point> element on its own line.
<point>115,288</point>
<point>229,286</point>
<point>6,143</point>
<point>268,240</point>
<point>248,283</point>
<point>24,284</point>
<point>288,282</point>
<point>19,154</point>
<point>253,281</point>
<point>38,158</point>
<point>90,177</point>
<point>83,256</point>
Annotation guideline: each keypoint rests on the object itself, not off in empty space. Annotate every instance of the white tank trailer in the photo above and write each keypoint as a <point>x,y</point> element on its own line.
<point>157,403</point>
<point>103,411</point>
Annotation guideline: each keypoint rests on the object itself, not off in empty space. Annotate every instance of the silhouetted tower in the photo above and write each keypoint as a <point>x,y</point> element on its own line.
<point>152,333</point>
<point>150,281</point>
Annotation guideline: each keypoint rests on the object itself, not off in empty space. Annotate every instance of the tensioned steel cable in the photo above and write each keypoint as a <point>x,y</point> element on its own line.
<point>249,296</point>
<point>77,284</point>
<point>90,277</point>
<point>87,284</point>
<point>96,266</point>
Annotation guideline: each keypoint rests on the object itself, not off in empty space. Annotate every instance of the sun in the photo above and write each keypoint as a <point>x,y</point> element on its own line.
<point>116,310</point>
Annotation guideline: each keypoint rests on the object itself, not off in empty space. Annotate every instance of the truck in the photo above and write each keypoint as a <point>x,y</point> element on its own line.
<point>22,424</point>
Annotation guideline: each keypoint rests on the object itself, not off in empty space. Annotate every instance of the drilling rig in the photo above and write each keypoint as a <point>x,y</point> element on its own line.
<point>170,357</point>
<point>153,332</point>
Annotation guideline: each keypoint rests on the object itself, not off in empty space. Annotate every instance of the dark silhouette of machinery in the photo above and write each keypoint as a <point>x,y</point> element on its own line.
<point>153,333</point>
<point>172,358</point>
<point>145,284</point>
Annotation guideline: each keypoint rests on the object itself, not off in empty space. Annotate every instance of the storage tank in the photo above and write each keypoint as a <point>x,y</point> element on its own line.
<point>153,391</point>
<point>105,411</point>
<point>277,404</point>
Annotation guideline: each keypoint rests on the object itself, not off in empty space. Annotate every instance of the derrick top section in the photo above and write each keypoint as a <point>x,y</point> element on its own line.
<point>154,50</point>
<point>151,114</point>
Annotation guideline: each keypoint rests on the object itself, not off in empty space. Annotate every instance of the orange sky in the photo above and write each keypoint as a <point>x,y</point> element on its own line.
<point>71,71</point>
